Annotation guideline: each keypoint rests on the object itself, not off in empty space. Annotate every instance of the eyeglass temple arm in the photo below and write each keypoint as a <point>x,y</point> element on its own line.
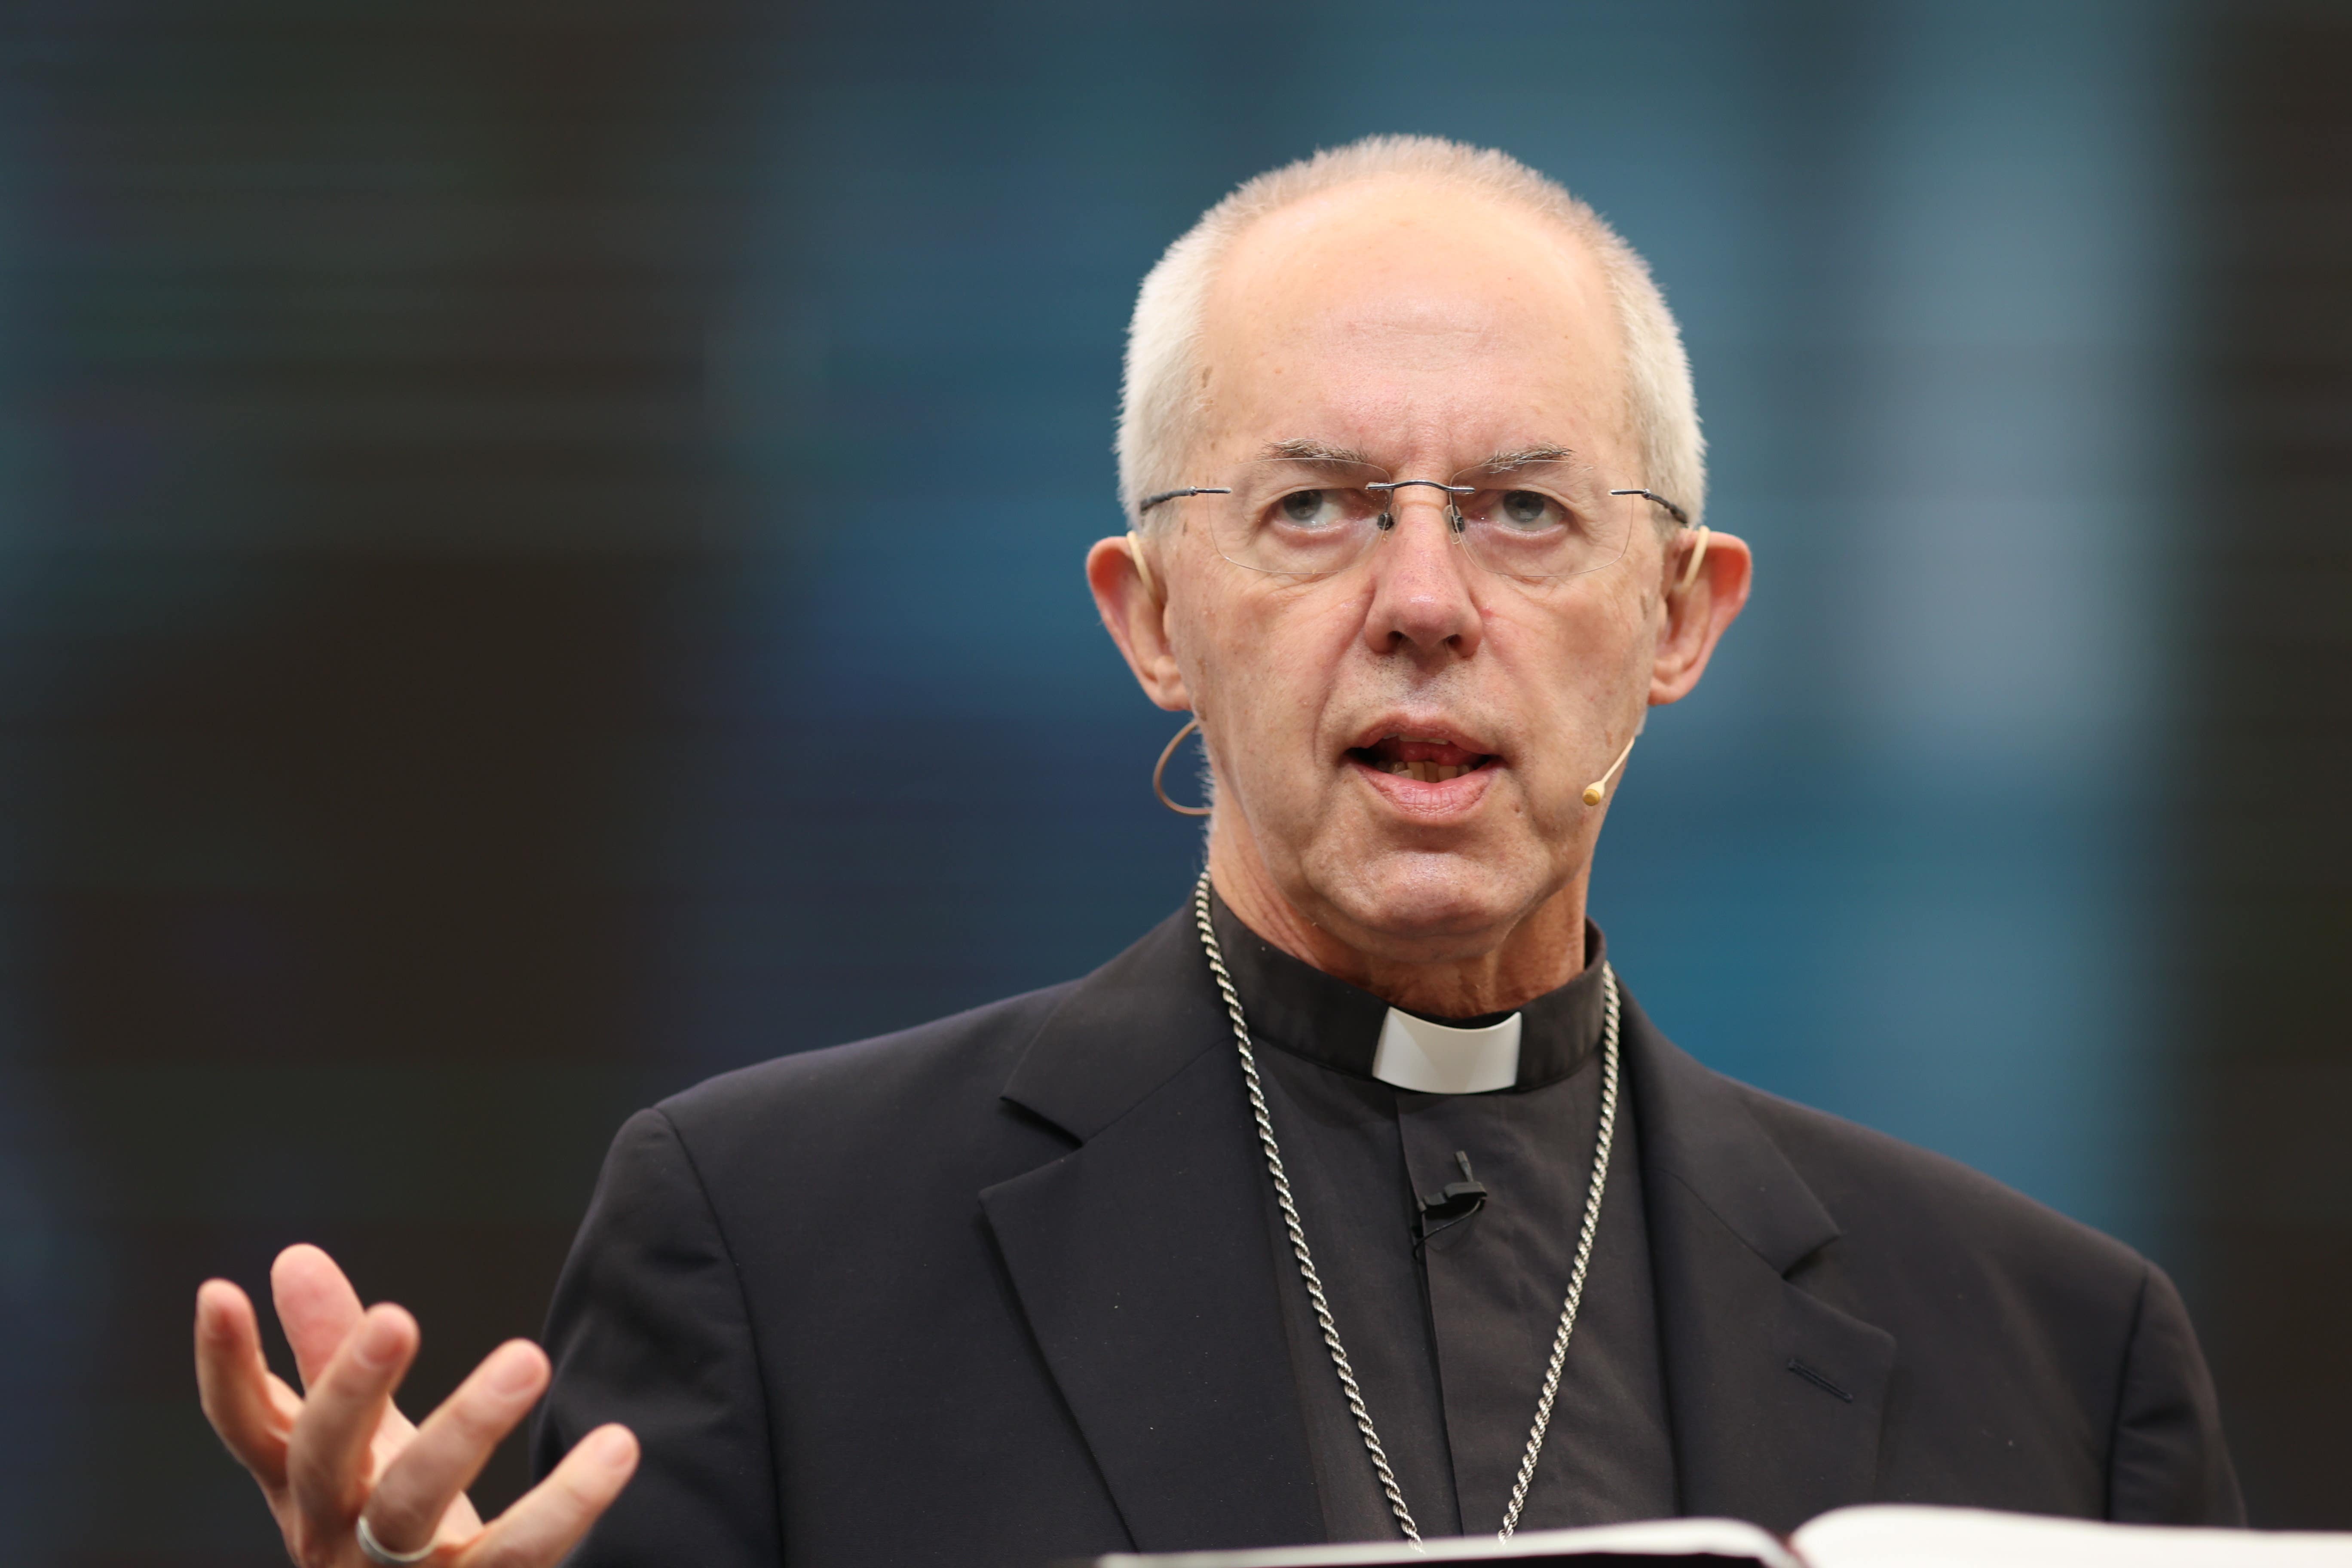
<point>1143,564</point>
<point>1698,551</point>
<point>1678,514</point>
<point>1147,502</point>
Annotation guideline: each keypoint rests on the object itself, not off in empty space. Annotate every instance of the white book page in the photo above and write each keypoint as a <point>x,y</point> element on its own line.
<point>1899,1536</point>
<point>1727,1538</point>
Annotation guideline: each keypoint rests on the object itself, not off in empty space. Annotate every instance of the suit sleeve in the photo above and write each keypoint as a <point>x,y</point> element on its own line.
<point>649,1328</point>
<point>2168,1464</point>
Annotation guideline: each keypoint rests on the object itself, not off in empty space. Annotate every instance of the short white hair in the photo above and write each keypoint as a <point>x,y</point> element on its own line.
<point>1159,397</point>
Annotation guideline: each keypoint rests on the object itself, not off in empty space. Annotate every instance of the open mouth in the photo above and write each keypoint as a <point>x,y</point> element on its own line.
<point>1427,762</point>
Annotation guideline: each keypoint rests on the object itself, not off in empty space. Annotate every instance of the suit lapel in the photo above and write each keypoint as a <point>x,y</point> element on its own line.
<point>1142,1262</point>
<point>1776,1397</point>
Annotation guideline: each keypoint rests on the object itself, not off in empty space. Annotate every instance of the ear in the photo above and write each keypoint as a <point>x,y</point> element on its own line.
<point>1136,613</point>
<point>1698,615</point>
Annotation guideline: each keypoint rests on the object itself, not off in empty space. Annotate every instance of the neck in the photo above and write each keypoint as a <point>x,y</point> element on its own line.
<point>1541,950</point>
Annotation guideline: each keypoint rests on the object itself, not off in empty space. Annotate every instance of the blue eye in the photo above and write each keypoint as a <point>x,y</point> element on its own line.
<point>1311,509</point>
<point>1528,509</point>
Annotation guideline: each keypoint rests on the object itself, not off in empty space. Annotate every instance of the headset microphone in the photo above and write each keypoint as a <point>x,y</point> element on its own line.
<point>1598,787</point>
<point>1142,565</point>
<point>1598,790</point>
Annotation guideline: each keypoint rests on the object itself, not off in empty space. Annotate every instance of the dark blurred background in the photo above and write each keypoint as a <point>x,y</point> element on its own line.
<point>539,560</point>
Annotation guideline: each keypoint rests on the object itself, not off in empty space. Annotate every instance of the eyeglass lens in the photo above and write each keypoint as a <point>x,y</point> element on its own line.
<point>1310,519</point>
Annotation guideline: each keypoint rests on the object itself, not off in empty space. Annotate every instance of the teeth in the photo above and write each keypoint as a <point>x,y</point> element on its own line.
<point>1427,772</point>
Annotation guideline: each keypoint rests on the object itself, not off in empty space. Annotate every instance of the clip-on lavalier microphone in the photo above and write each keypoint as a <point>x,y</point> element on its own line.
<point>1451,1204</point>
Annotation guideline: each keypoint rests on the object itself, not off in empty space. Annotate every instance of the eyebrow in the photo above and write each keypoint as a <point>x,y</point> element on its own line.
<point>1306,449</point>
<point>1521,457</point>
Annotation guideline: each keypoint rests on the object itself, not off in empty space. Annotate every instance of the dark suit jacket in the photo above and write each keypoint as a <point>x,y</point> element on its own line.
<point>999,1289</point>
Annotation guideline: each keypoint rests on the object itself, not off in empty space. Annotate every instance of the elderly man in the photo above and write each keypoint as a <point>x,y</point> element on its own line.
<point>1357,1200</point>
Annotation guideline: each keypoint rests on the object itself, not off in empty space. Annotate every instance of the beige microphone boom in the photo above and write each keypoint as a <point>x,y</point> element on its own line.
<point>1600,786</point>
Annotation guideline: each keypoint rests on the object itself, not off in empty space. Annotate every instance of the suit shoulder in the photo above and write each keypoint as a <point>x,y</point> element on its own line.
<point>908,1080</point>
<point>1885,1193</point>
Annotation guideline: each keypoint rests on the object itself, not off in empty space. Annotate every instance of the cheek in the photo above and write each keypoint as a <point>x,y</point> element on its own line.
<point>1289,660</point>
<point>1575,664</point>
<point>1258,625</point>
<point>1271,663</point>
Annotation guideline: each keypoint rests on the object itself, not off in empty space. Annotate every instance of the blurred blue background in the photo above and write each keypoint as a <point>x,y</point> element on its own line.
<point>540,559</point>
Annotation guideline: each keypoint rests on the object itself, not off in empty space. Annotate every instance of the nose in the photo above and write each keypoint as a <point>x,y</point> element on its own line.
<point>1422,602</point>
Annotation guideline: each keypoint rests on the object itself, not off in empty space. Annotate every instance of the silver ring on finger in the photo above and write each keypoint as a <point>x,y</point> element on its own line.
<point>375,1550</point>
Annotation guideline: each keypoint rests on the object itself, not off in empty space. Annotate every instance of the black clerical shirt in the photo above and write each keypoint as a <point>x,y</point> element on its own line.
<point>1449,1339</point>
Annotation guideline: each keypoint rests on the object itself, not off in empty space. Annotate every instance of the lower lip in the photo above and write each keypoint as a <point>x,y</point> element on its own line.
<point>1414,797</point>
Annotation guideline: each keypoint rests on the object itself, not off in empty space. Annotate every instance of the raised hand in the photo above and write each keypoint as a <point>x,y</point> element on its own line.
<point>339,1453</point>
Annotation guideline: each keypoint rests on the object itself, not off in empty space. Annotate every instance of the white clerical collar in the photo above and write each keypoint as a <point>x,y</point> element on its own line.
<point>1422,1057</point>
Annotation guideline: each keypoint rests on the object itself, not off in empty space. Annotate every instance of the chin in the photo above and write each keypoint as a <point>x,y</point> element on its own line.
<point>1419,905</point>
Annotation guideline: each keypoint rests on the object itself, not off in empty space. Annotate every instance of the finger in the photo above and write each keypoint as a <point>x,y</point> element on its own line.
<point>316,1306</point>
<point>327,1457</point>
<point>410,1498</point>
<point>233,1384</point>
<point>548,1519</point>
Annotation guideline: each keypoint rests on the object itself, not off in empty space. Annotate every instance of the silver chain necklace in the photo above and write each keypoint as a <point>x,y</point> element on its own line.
<point>1307,1259</point>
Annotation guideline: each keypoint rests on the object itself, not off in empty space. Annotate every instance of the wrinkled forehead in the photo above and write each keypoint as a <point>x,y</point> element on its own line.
<point>1420,323</point>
